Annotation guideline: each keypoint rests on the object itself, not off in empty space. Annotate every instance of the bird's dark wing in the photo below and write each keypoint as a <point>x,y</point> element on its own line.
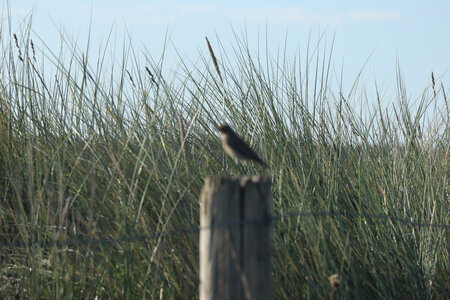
<point>243,149</point>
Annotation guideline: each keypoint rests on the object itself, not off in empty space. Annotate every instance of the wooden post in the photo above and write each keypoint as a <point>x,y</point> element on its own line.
<point>236,239</point>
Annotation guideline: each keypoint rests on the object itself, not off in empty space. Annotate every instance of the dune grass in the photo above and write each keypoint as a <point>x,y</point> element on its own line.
<point>96,157</point>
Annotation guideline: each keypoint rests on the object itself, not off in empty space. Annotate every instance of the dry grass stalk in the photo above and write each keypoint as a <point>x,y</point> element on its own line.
<point>34,51</point>
<point>183,138</point>
<point>152,78</point>
<point>216,65</point>
<point>443,92</point>
<point>433,84</point>
<point>131,78</point>
<point>17,45</point>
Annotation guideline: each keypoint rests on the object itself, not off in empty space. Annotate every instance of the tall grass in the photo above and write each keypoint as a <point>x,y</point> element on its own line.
<point>119,149</point>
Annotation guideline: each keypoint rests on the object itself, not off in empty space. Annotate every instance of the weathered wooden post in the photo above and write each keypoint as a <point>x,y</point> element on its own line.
<point>236,239</point>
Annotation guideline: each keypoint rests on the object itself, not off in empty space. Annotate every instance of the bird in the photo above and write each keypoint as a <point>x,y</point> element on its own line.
<point>236,147</point>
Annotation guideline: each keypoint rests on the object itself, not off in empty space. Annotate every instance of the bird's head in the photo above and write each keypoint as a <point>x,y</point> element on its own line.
<point>224,128</point>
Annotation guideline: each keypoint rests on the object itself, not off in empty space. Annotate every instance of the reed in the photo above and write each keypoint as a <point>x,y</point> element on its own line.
<point>96,159</point>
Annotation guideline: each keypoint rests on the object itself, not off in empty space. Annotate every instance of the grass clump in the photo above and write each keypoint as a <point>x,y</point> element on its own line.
<point>98,157</point>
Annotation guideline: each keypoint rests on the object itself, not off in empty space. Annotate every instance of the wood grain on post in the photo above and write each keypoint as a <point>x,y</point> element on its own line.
<point>236,239</point>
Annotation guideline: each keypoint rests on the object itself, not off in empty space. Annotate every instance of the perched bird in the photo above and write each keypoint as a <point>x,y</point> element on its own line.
<point>236,147</point>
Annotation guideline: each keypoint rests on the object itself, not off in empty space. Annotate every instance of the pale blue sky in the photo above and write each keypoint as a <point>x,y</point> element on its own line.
<point>417,31</point>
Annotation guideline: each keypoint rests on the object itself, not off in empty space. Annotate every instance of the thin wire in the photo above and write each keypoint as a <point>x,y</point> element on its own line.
<point>193,229</point>
<point>404,221</point>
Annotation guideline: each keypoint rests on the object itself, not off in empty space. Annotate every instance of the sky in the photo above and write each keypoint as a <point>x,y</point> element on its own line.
<point>414,33</point>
